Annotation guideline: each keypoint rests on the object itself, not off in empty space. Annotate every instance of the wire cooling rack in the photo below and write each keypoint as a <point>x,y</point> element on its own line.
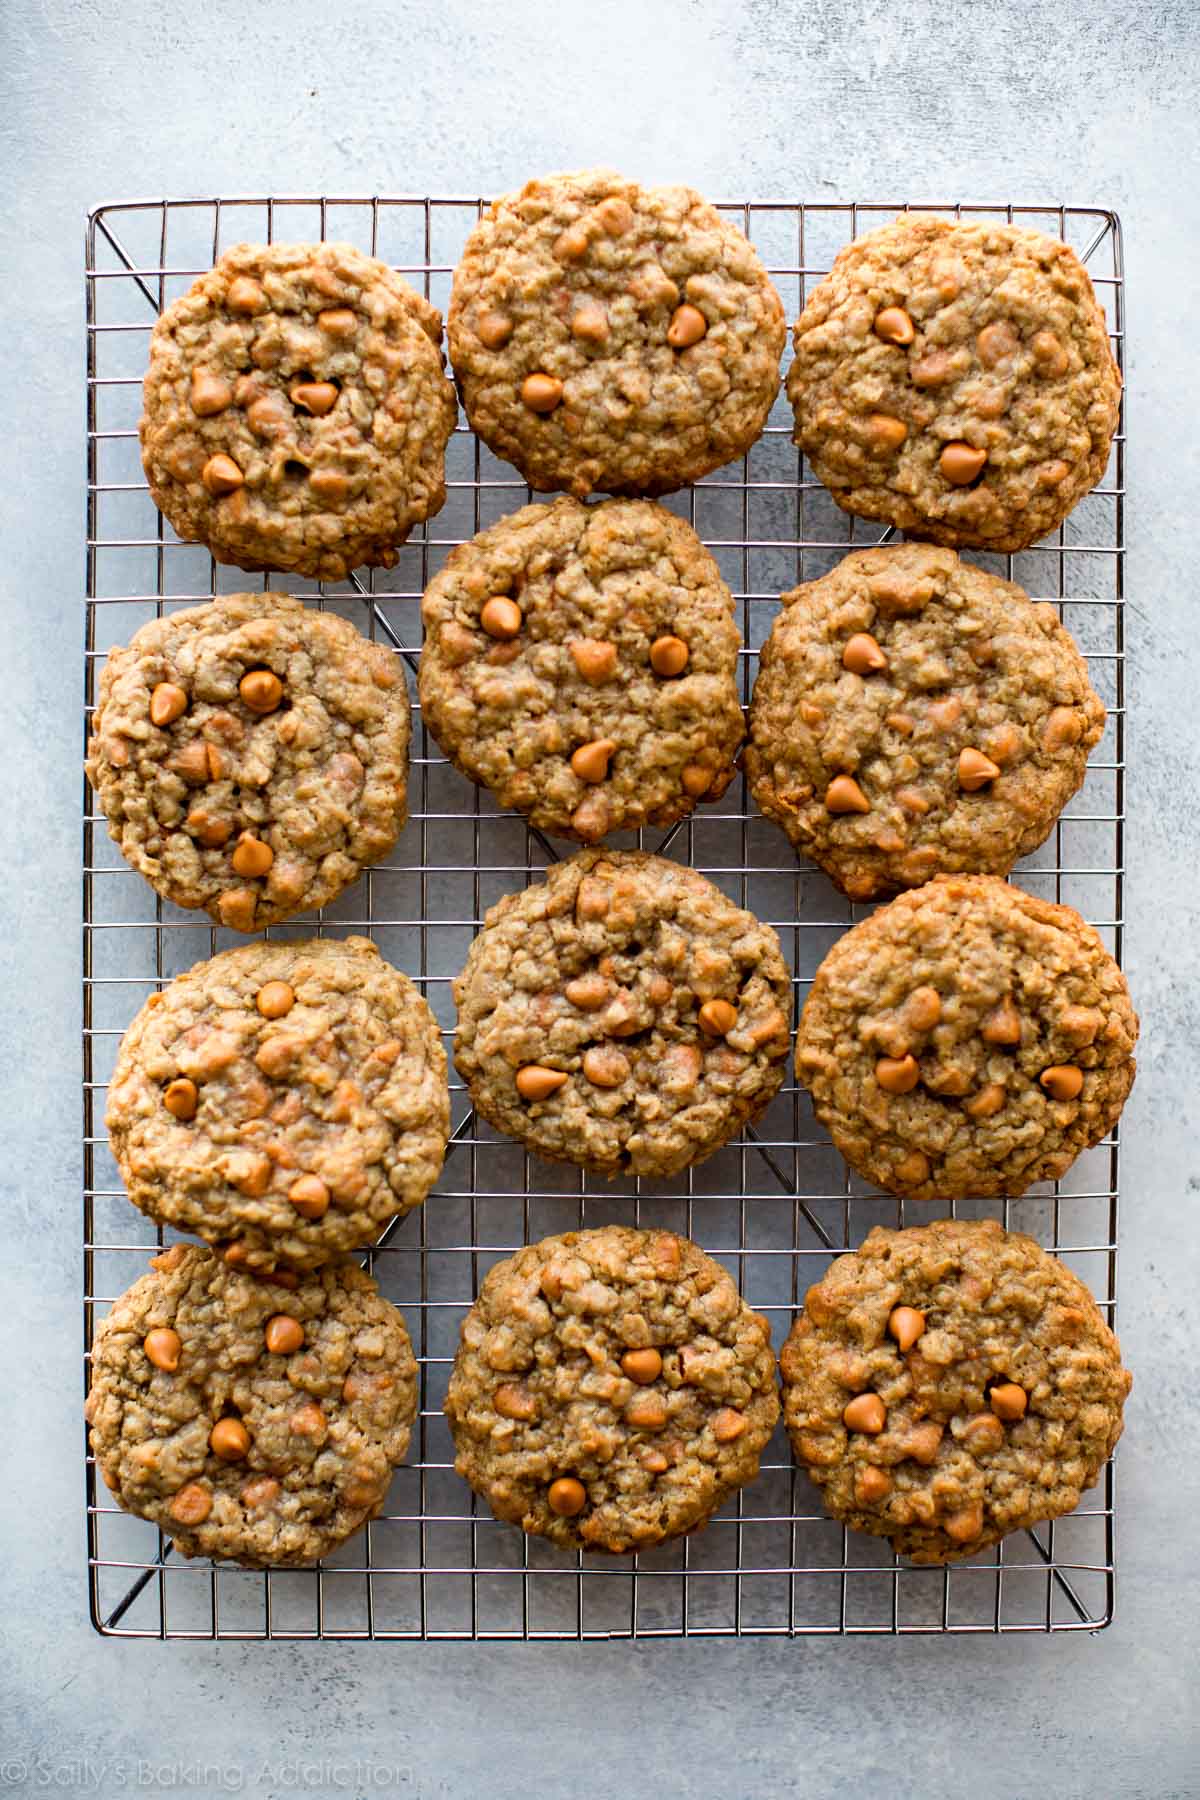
<point>774,1207</point>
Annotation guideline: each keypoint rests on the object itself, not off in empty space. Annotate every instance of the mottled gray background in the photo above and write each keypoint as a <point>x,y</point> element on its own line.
<point>1084,102</point>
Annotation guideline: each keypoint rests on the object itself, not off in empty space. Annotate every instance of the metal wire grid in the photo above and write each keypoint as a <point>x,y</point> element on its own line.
<point>774,1206</point>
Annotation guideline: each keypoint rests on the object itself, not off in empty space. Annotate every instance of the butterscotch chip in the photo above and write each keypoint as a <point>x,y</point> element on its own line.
<point>696,779</point>
<point>289,433</point>
<point>655,348</point>
<point>961,1471</point>
<point>590,762</point>
<point>501,618</point>
<point>541,393</point>
<point>275,1496</point>
<point>978,1118</point>
<point>967,733</point>
<point>566,1497</point>
<point>960,463</point>
<point>534,1082</point>
<point>717,1018</point>
<point>221,475</point>
<point>582,708</point>
<point>843,795</point>
<point>271,1131</point>
<point>262,690</point>
<point>180,1097</point>
<point>687,327</point>
<point>975,770</point>
<point>163,1348</point>
<point>618,1447</point>
<point>654,943</point>
<point>285,775</point>
<point>986,345</point>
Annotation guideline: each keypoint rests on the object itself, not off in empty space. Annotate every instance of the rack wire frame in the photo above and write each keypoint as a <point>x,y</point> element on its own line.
<point>774,1207</point>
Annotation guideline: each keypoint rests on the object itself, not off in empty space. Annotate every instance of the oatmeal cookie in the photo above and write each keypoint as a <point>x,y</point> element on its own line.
<point>967,1039</point>
<point>297,410</point>
<point>950,1383</point>
<point>611,336</point>
<point>914,716</point>
<point>251,1418</point>
<point>581,662</point>
<point>285,1099</point>
<point>611,1389</point>
<point>622,1015</point>
<point>251,756</point>
<point>956,380</point>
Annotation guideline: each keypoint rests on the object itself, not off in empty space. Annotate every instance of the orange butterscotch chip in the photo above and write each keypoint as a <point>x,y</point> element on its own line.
<point>866,1412</point>
<point>163,1347</point>
<point>642,1366</point>
<point>906,1324</point>
<point>843,795</point>
<point>897,1074</point>
<point>275,999</point>
<point>283,1334</point>
<point>1062,1082</point>
<point>181,1098</point>
<point>541,393</point>
<point>717,1018</point>
<point>960,463</point>
<point>688,325</point>
<point>537,1083</point>
<point>221,475</point>
<point>229,1440</point>
<point>512,1401</point>
<point>566,1497</point>
<point>894,326</point>
<point>595,659</point>
<point>501,617</point>
<point>862,654</point>
<point>167,703</point>
<point>261,690</point>
<point>310,1197</point>
<point>975,770</point>
<point>191,1505</point>
<point>728,1425</point>
<point>871,1484</point>
<point>251,857</point>
<point>262,1491</point>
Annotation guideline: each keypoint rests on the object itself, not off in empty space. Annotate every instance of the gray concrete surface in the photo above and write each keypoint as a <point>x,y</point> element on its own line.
<point>879,98</point>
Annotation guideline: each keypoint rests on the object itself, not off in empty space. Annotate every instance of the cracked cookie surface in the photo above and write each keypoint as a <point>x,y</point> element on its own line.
<point>247,1418</point>
<point>967,1039</point>
<point>611,336</point>
<point>581,662</point>
<point>915,716</point>
<point>622,1014</point>
<point>611,1389</point>
<point>286,1099</point>
<point>956,380</point>
<point>251,756</point>
<point>950,1383</point>
<point>296,410</point>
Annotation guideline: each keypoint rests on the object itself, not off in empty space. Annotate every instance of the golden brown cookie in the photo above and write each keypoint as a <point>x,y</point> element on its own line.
<point>611,1389</point>
<point>623,1015</point>
<point>284,1099</point>
<point>297,411</point>
<point>248,1417</point>
<point>951,1383</point>
<point>956,380</point>
<point>915,716</point>
<point>581,661</point>
<point>611,336</point>
<point>967,1039</point>
<point>251,756</point>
